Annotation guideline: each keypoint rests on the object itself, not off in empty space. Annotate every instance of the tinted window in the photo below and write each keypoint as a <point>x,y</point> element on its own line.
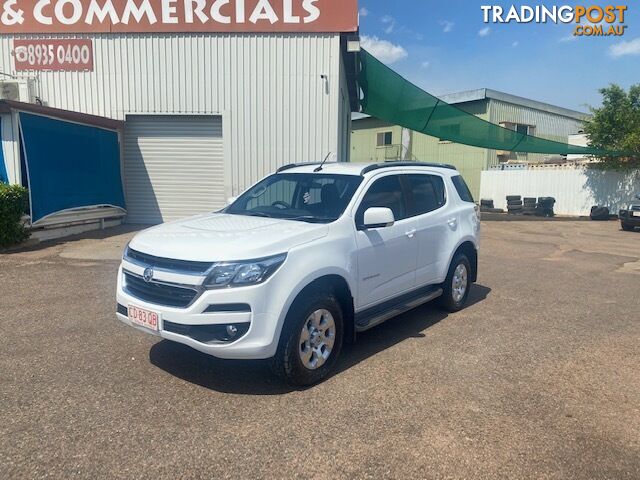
<point>427,193</point>
<point>463,190</point>
<point>385,192</point>
<point>309,197</point>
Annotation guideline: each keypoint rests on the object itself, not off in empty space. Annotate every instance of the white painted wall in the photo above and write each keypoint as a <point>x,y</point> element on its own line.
<point>575,191</point>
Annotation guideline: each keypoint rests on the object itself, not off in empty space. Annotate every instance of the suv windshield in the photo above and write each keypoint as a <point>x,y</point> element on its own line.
<point>308,197</point>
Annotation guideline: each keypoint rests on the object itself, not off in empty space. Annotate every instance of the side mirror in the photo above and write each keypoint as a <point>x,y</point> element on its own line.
<point>230,200</point>
<point>378,217</point>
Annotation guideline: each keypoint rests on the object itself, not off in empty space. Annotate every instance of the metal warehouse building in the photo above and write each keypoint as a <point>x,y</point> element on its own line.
<point>374,139</point>
<point>213,95</point>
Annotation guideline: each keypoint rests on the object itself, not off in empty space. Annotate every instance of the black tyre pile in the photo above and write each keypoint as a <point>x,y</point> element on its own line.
<point>514,205</point>
<point>545,207</point>
<point>488,206</point>
<point>599,213</point>
<point>541,207</point>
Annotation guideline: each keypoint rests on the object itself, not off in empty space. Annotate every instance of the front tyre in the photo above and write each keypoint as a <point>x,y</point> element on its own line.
<point>311,339</point>
<point>455,290</point>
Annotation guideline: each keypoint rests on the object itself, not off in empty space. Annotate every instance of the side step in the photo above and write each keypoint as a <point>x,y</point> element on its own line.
<point>377,314</point>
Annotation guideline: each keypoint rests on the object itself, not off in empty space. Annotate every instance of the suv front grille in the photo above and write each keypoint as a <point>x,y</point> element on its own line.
<point>186,266</point>
<point>159,293</point>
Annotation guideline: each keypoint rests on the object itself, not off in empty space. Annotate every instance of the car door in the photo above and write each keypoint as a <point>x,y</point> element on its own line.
<point>386,256</point>
<point>427,203</point>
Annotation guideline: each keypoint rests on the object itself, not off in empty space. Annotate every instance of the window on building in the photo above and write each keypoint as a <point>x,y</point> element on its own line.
<point>385,139</point>
<point>523,129</point>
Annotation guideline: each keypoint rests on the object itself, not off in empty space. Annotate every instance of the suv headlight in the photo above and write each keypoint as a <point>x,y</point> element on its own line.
<point>238,274</point>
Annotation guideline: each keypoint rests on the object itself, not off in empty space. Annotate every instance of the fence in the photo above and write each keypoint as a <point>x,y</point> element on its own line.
<point>575,190</point>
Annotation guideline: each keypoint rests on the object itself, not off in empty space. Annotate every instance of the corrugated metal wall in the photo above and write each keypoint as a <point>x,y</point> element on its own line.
<point>276,107</point>
<point>547,125</point>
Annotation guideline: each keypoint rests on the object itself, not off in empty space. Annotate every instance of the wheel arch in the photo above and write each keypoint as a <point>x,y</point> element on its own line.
<point>342,290</point>
<point>469,249</point>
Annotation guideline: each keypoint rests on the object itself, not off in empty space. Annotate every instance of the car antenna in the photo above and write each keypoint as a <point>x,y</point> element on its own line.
<point>319,169</point>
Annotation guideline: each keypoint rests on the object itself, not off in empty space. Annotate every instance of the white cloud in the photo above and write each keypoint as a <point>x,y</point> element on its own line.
<point>383,50</point>
<point>447,26</point>
<point>631,47</point>
<point>515,44</point>
<point>483,32</point>
<point>364,12</point>
<point>390,22</point>
<point>568,38</point>
<point>424,65</point>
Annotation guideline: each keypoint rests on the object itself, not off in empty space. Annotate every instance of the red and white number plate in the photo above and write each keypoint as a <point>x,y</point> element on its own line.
<point>144,318</point>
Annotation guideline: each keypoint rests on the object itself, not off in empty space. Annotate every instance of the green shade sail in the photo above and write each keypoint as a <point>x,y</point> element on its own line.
<point>391,98</point>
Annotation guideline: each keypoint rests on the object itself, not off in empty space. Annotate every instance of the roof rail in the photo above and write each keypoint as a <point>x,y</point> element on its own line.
<point>303,164</point>
<point>378,166</point>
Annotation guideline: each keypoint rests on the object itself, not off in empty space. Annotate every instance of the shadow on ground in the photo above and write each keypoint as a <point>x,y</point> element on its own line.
<point>106,233</point>
<point>254,377</point>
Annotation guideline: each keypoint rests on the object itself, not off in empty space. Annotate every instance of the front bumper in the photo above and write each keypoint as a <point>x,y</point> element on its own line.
<point>259,342</point>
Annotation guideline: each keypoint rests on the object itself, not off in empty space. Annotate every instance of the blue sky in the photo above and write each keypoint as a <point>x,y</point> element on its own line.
<point>444,47</point>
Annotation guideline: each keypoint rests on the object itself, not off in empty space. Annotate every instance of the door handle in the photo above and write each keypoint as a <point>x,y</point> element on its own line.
<point>411,233</point>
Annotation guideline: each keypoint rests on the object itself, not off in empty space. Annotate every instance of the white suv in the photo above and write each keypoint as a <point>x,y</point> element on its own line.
<point>303,261</point>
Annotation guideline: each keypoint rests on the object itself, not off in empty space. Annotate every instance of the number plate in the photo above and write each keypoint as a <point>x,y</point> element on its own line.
<point>144,318</point>
<point>636,214</point>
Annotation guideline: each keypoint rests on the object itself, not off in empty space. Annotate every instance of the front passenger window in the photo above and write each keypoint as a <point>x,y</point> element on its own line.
<point>385,192</point>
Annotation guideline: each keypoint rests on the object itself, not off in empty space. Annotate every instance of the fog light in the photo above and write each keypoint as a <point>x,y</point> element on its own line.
<point>232,330</point>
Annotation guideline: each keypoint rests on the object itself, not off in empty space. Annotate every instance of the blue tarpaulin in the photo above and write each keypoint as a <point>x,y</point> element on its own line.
<point>70,166</point>
<point>3,168</point>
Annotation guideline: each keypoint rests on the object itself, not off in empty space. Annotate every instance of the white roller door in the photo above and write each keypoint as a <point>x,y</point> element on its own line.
<point>173,166</point>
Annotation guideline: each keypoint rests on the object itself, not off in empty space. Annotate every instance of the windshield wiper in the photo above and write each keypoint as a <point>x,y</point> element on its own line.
<point>312,219</point>
<point>255,214</point>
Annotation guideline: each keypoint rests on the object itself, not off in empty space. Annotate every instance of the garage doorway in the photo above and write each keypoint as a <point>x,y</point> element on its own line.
<point>173,166</point>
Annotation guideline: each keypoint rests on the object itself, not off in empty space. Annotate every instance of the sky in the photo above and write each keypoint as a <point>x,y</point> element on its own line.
<point>445,47</point>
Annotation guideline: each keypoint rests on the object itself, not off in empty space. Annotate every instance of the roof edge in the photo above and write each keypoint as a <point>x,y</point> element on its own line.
<point>7,106</point>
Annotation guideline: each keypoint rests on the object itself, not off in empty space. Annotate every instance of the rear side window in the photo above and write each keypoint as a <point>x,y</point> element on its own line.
<point>427,193</point>
<point>385,192</point>
<point>463,190</point>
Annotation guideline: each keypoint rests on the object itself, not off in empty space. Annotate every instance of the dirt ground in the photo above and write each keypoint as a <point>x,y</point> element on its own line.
<point>538,378</point>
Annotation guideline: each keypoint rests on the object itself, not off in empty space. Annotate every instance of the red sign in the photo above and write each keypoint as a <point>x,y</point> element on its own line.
<point>120,16</point>
<point>47,54</point>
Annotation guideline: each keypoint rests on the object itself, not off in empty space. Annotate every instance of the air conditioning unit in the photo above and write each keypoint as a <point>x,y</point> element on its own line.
<point>16,90</point>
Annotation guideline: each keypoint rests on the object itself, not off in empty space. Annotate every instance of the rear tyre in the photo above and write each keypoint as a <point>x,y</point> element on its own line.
<point>311,340</point>
<point>455,290</point>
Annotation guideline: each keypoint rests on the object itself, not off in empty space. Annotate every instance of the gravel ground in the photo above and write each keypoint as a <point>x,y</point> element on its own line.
<point>538,378</point>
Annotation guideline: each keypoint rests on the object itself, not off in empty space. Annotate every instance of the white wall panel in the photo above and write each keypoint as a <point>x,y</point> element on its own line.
<point>268,86</point>
<point>575,191</point>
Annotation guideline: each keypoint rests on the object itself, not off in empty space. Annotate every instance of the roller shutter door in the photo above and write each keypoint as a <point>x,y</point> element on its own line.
<point>173,167</point>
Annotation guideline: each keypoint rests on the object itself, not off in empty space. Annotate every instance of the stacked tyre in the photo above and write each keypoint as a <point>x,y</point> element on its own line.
<point>599,213</point>
<point>487,206</point>
<point>514,204</point>
<point>529,206</point>
<point>545,206</point>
